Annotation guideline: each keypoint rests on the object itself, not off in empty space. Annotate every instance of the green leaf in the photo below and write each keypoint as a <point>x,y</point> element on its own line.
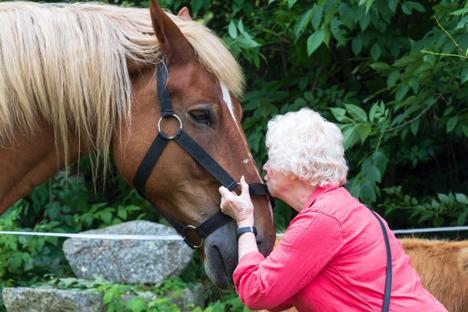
<point>232,30</point>
<point>380,66</point>
<point>392,5</point>
<point>461,198</point>
<point>354,188</point>
<point>368,3</point>
<point>15,261</point>
<point>443,198</point>
<point>376,52</point>
<point>302,23</point>
<point>380,159</point>
<point>356,45</point>
<point>314,41</point>
<point>460,12</point>
<point>336,31</point>
<point>108,297</point>
<point>338,113</point>
<point>122,213</point>
<point>350,137</point>
<point>401,92</point>
<point>464,75</point>
<point>240,26</point>
<point>409,6</point>
<point>414,127</point>
<point>291,3</point>
<point>363,130</point>
<point>462,24</point>
<point>247,42</point>
<point>317,12</point>
<point>368,191</point>
<point>461,219</point>
<point>364,21</point>
<point>373,112</point>
<point>452,123</point>
<point>393,78</point>
<point>106,216</point>
<point>356,112</point>
<point>372,173</point>
<point>136,304</point>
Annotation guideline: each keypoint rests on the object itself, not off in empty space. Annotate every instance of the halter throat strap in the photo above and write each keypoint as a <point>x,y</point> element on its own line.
<point>196,152</point>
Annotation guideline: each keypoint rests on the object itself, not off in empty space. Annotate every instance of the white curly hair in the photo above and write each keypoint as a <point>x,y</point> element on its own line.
<point>305,145</point>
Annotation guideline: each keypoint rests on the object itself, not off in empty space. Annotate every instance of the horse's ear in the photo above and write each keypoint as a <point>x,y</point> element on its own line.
<point>184,12</point>
<point>172,42</point>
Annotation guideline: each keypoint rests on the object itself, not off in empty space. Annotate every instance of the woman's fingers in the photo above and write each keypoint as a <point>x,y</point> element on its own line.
<point>226,200</point>
<point>244,186</point>
<point>236,206</point>
<point>225,193</point>
<point>223,203</point>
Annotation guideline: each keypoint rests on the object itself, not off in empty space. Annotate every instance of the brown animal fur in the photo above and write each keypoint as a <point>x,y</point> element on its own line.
<point>443,268</point>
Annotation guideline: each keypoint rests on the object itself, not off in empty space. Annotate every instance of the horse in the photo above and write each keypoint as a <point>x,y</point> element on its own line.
<point>79,79</point>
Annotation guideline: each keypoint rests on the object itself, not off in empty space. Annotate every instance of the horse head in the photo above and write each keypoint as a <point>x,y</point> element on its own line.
<point>204,106</point>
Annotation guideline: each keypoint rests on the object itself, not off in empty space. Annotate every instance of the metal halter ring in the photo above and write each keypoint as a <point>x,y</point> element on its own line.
<point>188,241</point>
<point>170,137</point>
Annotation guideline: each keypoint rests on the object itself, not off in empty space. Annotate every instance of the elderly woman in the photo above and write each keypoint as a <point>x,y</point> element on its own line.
<point>332,256</point>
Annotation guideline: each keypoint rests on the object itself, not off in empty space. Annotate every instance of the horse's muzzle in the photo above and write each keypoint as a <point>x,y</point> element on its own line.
<point>221,255</point>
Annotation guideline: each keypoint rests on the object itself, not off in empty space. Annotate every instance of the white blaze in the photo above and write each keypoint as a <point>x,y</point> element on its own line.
<point>227,99</point>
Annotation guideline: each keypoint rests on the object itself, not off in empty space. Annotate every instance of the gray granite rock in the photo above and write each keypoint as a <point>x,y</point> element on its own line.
<point>22,299</point>
<point>127,261</point>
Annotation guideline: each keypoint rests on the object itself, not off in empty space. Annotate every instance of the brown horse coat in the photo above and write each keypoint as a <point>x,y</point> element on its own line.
<point>443,267</point>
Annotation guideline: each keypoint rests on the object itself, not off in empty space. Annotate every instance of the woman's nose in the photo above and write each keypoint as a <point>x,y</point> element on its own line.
<point>266,166</point>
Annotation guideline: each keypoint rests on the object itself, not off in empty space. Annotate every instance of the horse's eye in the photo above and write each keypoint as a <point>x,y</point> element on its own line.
<point>201,116</point>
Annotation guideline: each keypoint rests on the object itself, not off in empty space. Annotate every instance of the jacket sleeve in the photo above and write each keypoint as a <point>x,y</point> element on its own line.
<point>310,242</point>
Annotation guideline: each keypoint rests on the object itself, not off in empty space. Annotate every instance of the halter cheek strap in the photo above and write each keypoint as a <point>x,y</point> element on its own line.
<point>197,153</point>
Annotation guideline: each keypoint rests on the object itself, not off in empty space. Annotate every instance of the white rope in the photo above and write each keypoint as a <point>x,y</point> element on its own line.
<point>432,230</point>
<point>179,238</point>
<point>99,236</point>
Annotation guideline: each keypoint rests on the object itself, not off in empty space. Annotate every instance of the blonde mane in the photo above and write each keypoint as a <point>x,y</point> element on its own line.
<point>67,64</point>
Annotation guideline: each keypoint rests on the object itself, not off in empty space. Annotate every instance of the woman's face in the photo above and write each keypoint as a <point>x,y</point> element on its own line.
<point>276,181</point>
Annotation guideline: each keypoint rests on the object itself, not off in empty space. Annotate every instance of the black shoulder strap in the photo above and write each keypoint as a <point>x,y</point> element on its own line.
<point>388,277</point>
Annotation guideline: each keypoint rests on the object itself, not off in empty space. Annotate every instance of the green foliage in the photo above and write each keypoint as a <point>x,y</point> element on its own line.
<point>445,209</point>
<point>142,298</point>
<point>392,74</point>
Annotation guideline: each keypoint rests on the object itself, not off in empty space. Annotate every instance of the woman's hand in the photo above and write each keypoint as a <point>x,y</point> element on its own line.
<point>239,207</point>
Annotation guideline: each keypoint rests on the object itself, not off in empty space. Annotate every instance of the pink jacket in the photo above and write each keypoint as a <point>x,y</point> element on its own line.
<point>331,258</point>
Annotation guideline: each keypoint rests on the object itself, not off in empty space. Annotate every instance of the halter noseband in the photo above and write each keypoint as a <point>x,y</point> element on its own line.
<point>198,154</point>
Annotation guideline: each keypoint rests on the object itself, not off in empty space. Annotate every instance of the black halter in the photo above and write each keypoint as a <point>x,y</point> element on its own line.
<point>198,154</point>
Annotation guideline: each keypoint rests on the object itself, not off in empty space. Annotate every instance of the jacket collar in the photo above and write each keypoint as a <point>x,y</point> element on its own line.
<point>317,192</point>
